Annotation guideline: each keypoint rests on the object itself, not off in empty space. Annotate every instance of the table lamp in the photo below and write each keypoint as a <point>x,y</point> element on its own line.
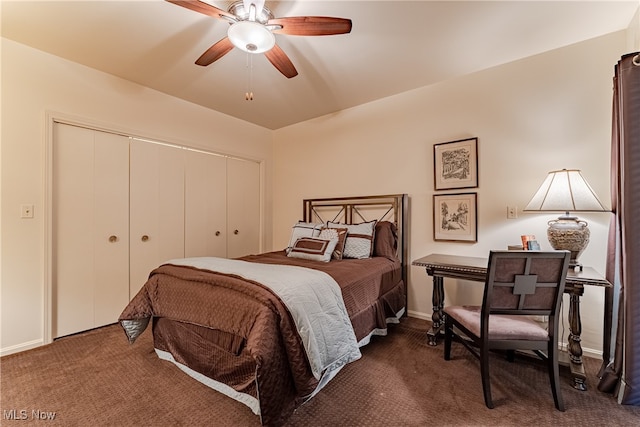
<point>566,190</point>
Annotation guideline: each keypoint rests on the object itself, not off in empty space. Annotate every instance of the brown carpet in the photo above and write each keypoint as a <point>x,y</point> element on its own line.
<point>97,379</point>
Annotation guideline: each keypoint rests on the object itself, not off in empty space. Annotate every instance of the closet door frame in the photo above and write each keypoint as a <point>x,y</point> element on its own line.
<point>52,117</point>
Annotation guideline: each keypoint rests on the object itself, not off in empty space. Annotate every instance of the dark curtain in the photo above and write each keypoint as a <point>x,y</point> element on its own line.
<point>620,372</point>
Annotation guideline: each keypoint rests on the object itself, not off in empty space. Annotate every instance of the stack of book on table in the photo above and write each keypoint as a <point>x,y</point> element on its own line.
<point>529,242</point>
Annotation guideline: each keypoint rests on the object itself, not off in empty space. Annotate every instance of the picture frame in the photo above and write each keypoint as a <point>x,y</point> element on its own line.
<point>455,217</point>
<point>456,164</point>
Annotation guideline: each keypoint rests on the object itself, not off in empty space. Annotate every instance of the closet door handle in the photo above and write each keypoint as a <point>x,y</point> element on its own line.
<point>113,238</point>
<point>144,238</point>
<point>235,231</point>
<point>217,233</point>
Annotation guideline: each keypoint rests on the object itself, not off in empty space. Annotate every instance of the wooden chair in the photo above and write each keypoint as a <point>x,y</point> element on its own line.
<point>519,284</point>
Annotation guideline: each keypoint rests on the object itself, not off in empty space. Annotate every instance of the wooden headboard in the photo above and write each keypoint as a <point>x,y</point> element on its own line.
<point>349,210</point>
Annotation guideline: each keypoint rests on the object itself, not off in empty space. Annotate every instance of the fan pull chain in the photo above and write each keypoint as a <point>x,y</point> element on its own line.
<point>248,95</point>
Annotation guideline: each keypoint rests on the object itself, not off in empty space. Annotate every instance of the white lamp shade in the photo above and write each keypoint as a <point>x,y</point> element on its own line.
<point>565,190</point>
<point>251,37</point>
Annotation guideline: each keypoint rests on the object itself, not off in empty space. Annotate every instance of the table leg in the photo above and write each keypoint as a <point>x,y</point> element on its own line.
<point>438,316</point>
<point>574,346</point>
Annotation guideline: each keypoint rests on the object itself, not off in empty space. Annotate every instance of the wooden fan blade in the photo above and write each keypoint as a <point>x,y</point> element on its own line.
<point>215,52</point>
<point>281,61</point>
<point>311,25</point>
<point>202,7</point>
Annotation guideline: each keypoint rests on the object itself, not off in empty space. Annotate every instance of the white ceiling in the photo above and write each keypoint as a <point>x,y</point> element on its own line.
<point>394,46</point>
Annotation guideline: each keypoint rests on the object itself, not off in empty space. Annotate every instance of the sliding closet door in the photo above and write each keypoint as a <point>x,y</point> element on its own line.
<point>157,208</point>
<point>243,207</point>
<point>122,207</point>
<point>205,205</point>
<point>90,228</point>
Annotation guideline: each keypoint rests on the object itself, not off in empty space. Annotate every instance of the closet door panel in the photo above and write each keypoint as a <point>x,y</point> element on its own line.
<point>205,205</point>
<point>111,241</point>
<point>73,235</point>
<point>90,204</point>
<point>243,207</point>
<point>157,208</point>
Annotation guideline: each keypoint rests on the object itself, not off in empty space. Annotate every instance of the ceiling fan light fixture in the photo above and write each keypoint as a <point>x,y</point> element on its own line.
<point>243,11</point>
<point>251,37</point>
<point>253,27</point>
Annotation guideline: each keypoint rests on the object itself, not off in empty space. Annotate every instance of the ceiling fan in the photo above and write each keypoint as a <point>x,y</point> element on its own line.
<point>253,27</point>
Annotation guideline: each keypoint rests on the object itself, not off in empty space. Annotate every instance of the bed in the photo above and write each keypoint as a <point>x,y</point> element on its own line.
<point>270,330</point>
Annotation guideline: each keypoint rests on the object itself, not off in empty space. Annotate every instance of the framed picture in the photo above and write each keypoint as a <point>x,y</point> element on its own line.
<point>455,217</point>
<point>456,164</point>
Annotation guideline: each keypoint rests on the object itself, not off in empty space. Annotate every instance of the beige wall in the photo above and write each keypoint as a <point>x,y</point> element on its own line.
<point>633,33</point>
<point>35,84</point>
<point>542,113</point>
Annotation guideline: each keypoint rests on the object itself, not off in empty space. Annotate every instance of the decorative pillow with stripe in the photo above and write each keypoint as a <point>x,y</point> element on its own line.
<point>303,229</point>
<point>359,243</point>
<point>313,248</point>
<point>335,233</point>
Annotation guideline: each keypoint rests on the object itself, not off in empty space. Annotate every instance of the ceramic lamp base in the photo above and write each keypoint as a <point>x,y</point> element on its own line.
<point>570,234</point>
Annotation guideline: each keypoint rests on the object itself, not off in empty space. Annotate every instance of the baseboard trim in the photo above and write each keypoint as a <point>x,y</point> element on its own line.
<point>419,315</point>
<point>20,347</point>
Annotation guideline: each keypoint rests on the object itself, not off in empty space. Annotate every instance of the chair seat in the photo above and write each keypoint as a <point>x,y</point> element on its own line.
<point>501,326</point>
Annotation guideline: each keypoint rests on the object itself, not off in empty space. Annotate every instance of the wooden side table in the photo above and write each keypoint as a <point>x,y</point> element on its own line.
<point>440,266</point>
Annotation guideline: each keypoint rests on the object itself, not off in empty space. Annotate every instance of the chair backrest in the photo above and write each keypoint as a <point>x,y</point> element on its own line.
<point>525,282</point>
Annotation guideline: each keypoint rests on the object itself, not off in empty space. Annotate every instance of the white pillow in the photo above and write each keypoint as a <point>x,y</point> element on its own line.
<point>313,249</point>
<point>303,229</point>
<point>359,243</point>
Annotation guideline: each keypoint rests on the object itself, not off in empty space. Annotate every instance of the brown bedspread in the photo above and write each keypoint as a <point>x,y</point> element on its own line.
<point>363,283</point>
<point>239,333</point>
